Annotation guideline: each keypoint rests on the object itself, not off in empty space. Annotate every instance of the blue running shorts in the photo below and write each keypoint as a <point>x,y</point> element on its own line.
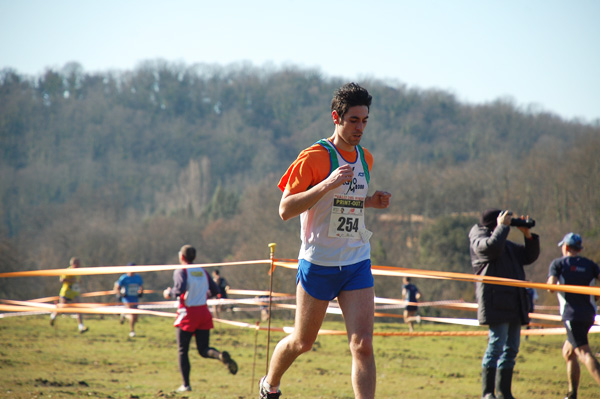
<point>130,299</point>
<point>326,282</point>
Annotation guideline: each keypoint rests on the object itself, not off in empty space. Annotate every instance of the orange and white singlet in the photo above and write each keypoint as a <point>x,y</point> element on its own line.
<point>333,231</point>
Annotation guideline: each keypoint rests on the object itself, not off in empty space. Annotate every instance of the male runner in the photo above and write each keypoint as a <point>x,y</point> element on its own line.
<point>327,186</point>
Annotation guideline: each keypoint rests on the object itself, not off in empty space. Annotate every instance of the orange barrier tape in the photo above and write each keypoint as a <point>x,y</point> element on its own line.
<point>90,271</point>
<point>458,304</point>
<point>100,293</point>
<point>84,295</point>
<point>288,330</point>
<point>40,306</point>
<point>542,325</point>
<point>293,264</point>
<point>543,316</point>
<point>447,320</point>
<point>397,271</point>
<point>405,272</point>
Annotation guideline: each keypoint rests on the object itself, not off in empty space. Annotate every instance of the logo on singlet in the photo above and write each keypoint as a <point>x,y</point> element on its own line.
<point>353,185</point>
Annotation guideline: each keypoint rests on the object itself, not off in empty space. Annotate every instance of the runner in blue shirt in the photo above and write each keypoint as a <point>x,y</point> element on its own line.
<point>130,288</point>
<point>578,311</point>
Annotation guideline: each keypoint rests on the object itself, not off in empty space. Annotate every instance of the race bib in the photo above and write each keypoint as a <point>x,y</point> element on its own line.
<point>132,289</point>
<point>347,216</point>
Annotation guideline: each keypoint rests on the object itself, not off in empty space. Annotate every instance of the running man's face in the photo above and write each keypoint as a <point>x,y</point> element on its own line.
<point>351,126</point>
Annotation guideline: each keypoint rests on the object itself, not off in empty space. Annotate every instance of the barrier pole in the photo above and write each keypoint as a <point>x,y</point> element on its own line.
<point>255,352</point>
<point>271,272</point>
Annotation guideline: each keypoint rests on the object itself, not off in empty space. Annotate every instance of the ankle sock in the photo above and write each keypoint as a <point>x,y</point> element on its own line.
<point>268,387</point>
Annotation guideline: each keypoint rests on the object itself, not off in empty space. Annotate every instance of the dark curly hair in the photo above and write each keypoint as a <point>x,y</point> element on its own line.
<point>350,95</point>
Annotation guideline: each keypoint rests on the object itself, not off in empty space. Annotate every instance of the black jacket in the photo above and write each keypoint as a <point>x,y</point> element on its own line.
<point>493,255</point>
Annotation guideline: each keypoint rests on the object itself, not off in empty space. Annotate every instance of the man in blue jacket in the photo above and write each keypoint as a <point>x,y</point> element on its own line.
<point>503,308</point>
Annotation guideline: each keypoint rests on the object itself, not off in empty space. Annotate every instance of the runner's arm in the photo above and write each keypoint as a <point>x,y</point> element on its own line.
<point>292,205</point>
<point>552,280</point>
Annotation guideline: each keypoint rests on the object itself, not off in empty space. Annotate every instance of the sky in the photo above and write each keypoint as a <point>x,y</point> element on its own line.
<point>541,55</point>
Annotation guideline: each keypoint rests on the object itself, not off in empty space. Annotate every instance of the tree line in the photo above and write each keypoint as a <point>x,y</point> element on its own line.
<point>119,167</point>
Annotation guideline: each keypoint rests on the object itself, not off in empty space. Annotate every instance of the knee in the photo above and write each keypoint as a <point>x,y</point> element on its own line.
<point>568,353</point>
<point>593,364</point>
<point>361,346</point>
<point>495,349</point>
<point>204,352</point>
<point>569,356</point>
<point>586,357</point>
<point>511,351</point>
<point>302,345</point>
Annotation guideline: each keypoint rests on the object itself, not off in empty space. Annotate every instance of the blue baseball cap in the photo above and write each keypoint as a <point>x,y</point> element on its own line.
<point>572,240</point>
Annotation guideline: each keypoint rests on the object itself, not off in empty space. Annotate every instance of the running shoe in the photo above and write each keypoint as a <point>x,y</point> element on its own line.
<point>184,388</point>
<point>84,329</point>
<point>571,395</point>
<point>132,334</point>
<point>264,394</point>
<point>229,362</point>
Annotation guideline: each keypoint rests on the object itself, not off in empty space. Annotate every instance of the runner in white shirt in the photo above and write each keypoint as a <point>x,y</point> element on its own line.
<point>327,187</point>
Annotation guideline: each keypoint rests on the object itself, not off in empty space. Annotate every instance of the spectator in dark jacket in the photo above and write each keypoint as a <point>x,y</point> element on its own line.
<point>503,308</point>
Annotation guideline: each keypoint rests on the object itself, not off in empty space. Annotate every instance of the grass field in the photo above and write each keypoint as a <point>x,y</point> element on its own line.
<point>40,361</point>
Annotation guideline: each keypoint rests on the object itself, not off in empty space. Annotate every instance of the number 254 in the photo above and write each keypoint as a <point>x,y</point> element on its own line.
<point>348,224</point>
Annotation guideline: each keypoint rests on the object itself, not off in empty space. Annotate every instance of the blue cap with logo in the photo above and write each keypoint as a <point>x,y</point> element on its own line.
<point>572,240</point>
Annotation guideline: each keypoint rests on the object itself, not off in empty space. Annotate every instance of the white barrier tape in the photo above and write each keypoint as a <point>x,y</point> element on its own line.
<point>332,309</point>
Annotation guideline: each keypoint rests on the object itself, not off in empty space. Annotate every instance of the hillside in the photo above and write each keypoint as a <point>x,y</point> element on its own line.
<point>126,167</point>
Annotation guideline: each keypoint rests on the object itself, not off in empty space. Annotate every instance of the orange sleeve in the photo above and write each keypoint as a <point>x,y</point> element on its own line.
<point>312,167</point>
